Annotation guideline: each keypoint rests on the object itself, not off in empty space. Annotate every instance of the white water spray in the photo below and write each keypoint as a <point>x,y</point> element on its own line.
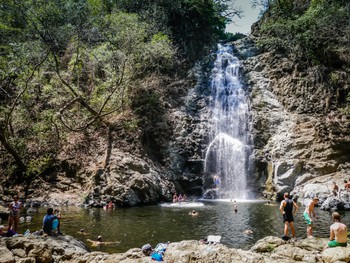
<point>228,152</point>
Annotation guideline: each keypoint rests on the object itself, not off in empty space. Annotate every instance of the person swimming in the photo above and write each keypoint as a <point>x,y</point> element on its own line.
<point>82,231</point>
<point>100,242</point>
<point>193,213</point>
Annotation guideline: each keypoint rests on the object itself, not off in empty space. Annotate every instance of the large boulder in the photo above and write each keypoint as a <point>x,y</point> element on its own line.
<point>194,251</point>
<point>333,203</point>
<point>337,254</point>
<point>6,255</point>
<point>267,250</point>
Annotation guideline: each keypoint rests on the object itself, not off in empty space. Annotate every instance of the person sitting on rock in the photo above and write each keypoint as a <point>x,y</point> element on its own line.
<point>2,231</point>
<point>338,233</point>
<point>48,221</point>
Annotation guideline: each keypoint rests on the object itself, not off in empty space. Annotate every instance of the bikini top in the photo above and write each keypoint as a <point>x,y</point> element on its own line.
<point>16,206</point>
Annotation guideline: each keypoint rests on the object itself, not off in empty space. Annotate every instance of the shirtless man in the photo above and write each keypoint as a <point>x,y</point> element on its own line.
<point>307,215</point>
<point>335,189</point>
<point>99,242</point>
<point>288,208</point>
<point>338,233</point>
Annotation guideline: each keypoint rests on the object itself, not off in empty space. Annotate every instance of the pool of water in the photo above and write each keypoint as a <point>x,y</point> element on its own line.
<point>136,226</point>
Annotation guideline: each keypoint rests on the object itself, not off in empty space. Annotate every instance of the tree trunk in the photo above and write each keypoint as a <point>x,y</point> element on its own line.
<point>12,151</point>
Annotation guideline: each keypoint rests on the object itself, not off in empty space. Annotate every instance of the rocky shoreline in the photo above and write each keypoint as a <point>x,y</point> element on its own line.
<point>267,250</point>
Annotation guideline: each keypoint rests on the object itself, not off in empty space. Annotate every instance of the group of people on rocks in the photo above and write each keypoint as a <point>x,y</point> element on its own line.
<point>179,198</point>
<point>288,208</point>
<point>51,220</point>
<point>335,188</point>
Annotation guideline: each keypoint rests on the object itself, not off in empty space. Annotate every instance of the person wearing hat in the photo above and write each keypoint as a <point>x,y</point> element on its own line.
<point>309,211</point>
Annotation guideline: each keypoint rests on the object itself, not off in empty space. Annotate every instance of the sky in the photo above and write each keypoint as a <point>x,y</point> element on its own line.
<point>250,16</point>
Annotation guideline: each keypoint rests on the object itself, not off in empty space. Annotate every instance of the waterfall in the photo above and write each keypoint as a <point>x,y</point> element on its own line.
<point>228,151</point>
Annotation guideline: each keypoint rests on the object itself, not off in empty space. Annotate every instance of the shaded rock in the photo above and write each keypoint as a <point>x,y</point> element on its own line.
<point>41,253</point>
<point>19,253</point>
<point>332,203</point>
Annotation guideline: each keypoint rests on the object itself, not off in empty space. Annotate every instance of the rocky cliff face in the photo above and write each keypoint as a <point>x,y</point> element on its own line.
<point>300,137</point>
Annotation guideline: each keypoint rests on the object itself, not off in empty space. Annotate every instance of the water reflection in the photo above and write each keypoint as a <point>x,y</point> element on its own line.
<point>134,227</point>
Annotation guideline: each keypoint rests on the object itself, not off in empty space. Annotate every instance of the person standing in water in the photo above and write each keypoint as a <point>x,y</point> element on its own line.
<point>309,211</point>
<point>338,233</point>
<point>235,208</point>
<point>15,208</point>
<point>216,180</point>
<point>288,208</point>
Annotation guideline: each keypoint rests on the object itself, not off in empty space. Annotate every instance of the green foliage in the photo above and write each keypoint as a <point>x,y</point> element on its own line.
<point>131,125</point>
<point>39,165</point>
<point>146,102</point>
<point>158,55</point>
<point>193,25</point>
<point>312,33</point>
<point>230,37</point>
<point>67,64</point>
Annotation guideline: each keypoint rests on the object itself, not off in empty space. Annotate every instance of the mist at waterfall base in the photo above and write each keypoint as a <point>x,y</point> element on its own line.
<point>227,157</point>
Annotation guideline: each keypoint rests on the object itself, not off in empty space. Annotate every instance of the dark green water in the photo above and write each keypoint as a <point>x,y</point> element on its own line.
<point>136,226</point>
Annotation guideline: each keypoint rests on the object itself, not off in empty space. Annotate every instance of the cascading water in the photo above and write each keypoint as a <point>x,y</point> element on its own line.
<point>227,155</point>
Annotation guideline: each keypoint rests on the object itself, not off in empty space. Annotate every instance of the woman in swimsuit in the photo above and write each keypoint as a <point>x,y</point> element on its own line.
<point>15,208</point>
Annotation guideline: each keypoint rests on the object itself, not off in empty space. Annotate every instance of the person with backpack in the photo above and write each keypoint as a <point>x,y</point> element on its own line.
<point>288,208</point>
<point>48,221</point>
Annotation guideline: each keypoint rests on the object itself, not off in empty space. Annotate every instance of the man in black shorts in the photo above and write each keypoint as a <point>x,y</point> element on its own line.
<point>288,208</point>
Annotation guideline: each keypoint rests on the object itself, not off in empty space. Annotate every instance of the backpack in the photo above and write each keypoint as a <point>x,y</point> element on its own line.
<point>161,247</point>
<point>147,249</point>
<point>157,256</point>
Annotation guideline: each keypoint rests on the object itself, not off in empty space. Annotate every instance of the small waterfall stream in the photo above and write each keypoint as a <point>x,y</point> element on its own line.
<point>228,151</point>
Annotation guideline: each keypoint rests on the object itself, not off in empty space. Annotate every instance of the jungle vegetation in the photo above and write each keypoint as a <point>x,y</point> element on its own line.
<point>71,66</point>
